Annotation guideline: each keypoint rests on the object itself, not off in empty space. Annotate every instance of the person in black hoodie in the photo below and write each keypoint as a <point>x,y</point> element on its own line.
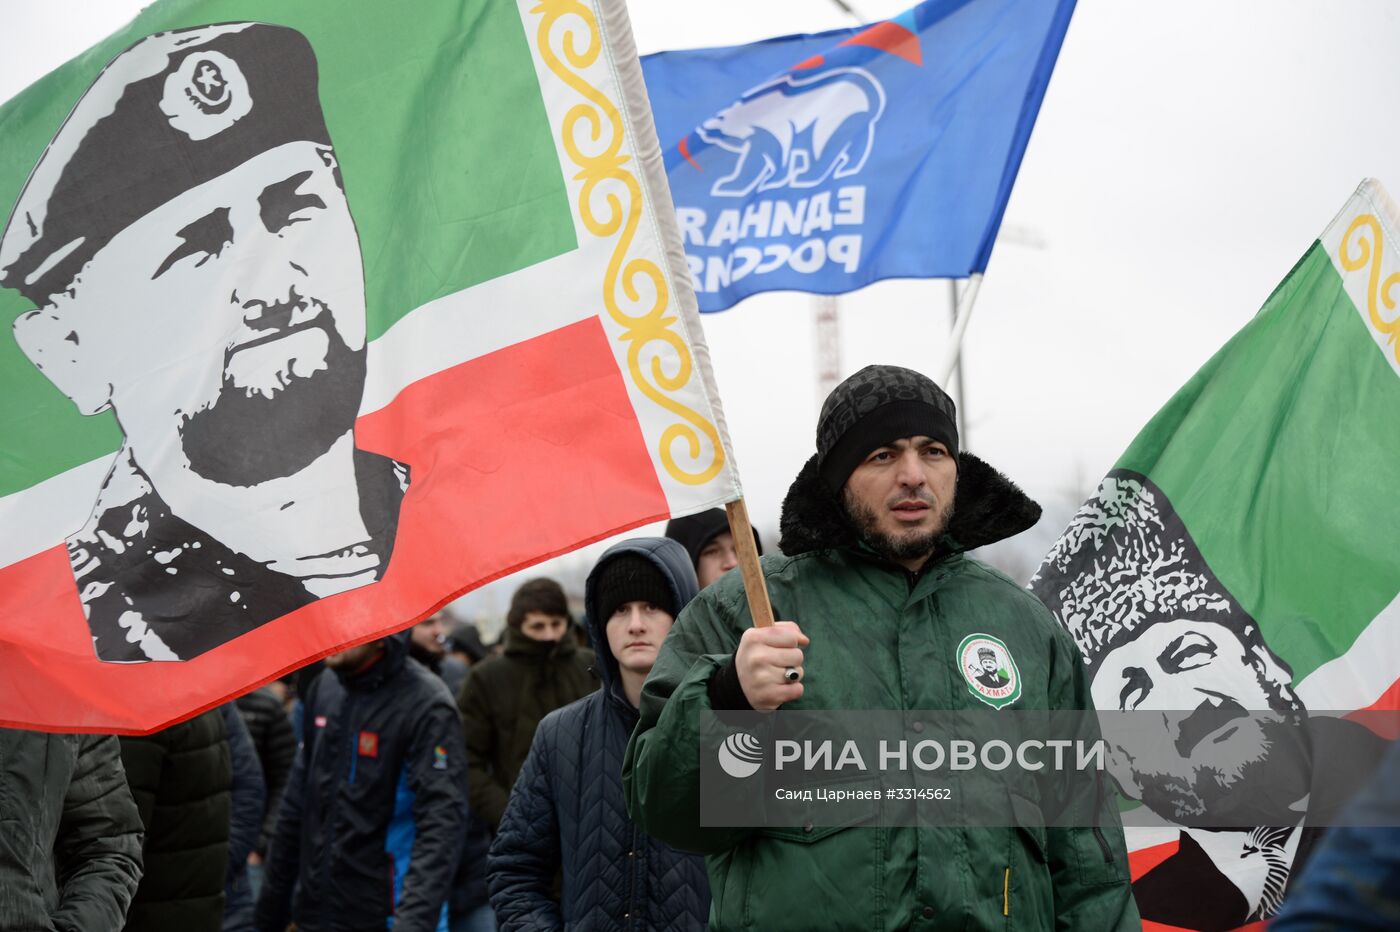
<point>374,814</point>
<point>707,539</point>
<point>567,815</point>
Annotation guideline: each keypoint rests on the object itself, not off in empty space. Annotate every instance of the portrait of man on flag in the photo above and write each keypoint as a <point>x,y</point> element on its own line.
<point>1229,751</point>
<point>188,247</point>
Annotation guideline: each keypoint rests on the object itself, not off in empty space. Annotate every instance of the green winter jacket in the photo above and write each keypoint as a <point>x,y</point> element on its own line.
<point>70,835</point>
<point>877,643</point>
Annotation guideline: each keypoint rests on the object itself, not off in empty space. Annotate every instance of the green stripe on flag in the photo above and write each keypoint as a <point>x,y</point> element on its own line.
<point>1280,456</point>
<point>486,199</point>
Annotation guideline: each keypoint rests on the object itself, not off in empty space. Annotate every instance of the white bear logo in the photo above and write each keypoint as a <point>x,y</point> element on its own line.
<point>797,132</point>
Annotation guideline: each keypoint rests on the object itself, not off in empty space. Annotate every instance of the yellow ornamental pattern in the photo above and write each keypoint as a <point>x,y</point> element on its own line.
<point>1368,238</point>
<point>609,184</point>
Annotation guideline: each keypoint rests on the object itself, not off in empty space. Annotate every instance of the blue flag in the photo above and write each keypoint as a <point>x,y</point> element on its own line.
<point>825,162</point>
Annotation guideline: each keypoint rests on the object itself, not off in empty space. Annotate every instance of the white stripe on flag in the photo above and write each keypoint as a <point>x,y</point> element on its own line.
<point>42,515</point>
<point>1360,676</point>
<point>1362,245</point>
<point>1149,836</point>
<point>482,319</point>
<point>617,187</point>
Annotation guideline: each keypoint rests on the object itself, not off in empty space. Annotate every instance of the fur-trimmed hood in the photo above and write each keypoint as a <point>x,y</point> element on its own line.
<point>988,508</point>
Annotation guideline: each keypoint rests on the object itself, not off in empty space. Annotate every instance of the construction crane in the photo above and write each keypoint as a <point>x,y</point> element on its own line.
<point>826,309</point>
<point>827,327</point>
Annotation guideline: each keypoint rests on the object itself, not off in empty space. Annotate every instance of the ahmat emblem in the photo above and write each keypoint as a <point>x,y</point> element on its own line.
<point>989,670</point>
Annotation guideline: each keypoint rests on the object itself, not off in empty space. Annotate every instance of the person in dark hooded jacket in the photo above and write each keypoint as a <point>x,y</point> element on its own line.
<point>707,539</point>
<point>505,697</point>
<point>374,814</point>
<point>567,814</point>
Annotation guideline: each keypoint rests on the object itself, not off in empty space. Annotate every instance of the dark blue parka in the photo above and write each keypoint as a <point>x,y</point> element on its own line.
<point>567,811</point>
<point>247,800</point>
<point>1353,882</point>
<point>372,821</point>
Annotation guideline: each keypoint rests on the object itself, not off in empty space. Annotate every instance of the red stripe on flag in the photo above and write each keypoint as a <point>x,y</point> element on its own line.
<point>1389,701</point>
<point>1149,926</point>
<point>684,146</point>
<point>893,38</point>
<point>1386,725</point>
<point>515,457</point>
<point>1144,859</point>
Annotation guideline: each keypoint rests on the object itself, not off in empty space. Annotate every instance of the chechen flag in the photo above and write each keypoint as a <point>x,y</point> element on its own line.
<point>324,314</point>
<point>1241,555</point>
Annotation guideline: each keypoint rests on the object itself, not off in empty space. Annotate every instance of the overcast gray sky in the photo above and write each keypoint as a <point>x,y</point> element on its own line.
<point>1187,153</point>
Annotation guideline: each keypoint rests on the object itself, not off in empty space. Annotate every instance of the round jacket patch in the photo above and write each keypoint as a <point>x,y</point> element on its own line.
<point>989,670</point>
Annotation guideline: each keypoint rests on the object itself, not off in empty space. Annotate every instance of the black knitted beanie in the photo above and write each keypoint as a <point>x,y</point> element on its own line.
<point>875,406</point>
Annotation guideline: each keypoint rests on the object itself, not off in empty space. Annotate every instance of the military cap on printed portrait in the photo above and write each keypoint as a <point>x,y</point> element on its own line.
<point>194,266</point>
<point>172,112</point>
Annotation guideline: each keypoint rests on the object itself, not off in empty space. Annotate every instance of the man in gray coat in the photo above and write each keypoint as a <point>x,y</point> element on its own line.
<point>70,853</point>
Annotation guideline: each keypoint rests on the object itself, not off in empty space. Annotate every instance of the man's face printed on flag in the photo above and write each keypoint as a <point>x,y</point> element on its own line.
<point>1161,634</point>
<point>194,266</point>
<point>252,282</point>
<point>1223,722</point>
<point>1181,663</point>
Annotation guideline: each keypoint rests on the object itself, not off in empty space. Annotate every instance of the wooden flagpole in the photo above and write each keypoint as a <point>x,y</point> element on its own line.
<point>754,586</point>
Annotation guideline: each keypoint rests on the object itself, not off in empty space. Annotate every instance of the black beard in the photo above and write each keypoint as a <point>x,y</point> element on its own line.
<point>1267,786</point>
<point>867,525</point>
<point>245,438</point>
<point>1261,795</point>
<point>424,656</point>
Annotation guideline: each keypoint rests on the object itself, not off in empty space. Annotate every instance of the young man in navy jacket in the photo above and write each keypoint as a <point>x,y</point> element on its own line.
<point>567,814</point>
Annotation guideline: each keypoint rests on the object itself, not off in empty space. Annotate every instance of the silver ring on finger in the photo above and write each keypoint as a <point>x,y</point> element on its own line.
<point>791,674</point>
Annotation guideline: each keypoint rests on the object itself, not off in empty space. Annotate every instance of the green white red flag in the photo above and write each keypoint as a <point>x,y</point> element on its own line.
<point>1241,553</point>
<point>325,314</point>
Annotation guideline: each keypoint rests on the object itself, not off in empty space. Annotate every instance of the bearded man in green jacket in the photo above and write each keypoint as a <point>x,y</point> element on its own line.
<point>882,597</point>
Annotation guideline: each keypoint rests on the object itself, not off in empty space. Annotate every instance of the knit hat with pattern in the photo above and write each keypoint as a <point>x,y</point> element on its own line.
<point>875,406</point>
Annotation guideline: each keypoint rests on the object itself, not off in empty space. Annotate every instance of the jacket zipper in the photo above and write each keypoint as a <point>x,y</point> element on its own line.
<point>1103,845</point>
<point>633,867</point>
<point>1098,812</point>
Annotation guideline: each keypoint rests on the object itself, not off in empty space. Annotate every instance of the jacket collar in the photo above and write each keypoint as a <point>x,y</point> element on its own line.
<point>989,507</point>
<point>521,647</point>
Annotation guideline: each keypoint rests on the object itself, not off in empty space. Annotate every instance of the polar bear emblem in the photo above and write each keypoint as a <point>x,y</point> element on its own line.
<point>797,132</point>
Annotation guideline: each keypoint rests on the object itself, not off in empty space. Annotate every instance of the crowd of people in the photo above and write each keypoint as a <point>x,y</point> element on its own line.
<point>425,782</point>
